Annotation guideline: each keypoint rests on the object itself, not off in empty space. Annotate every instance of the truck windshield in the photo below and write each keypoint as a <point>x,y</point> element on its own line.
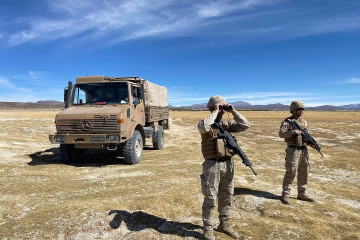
<point>100,93</point>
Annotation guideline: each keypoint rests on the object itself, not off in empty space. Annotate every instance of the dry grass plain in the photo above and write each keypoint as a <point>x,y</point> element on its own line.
<point>102,198</point>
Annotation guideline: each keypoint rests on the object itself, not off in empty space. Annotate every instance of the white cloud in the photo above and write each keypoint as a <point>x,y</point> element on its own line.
<point>353,80</point>
<point>272,97</point>
<point>260,95</point>
<point>11,92</point>
<point>183,97</point>
<point>6,85</point>
<point>34,77</point>
<point>131,19</point>
<point>220,8</point>
<point>117,21</point>
<point>346,81</point>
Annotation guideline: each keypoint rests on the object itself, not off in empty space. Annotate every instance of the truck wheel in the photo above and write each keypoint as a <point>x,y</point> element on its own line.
<point>158,139</point>
<point>133,149</point>
<point>70,154</point>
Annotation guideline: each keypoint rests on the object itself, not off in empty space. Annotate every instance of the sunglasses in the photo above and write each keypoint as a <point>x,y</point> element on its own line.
<point>300,109</point>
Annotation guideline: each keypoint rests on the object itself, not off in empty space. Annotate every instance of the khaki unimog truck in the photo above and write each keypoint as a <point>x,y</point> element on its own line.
<point>113,113</point>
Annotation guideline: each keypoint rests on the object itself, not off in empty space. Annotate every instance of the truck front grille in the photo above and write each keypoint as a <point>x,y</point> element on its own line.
<point>98,124</point>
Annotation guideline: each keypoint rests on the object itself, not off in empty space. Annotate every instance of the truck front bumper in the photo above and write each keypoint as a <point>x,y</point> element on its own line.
<point>80,139</point>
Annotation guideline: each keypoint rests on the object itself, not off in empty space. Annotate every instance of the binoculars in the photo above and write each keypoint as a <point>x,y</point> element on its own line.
<point>225,107</point>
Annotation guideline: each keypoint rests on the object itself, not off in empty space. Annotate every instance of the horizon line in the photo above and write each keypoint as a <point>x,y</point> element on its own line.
<point>309,105</point>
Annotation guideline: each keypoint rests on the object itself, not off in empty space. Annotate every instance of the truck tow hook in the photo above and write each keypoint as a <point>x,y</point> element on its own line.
<point>112,147</point>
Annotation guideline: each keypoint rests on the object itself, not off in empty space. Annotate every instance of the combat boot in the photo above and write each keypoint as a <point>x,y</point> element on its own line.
<point>209,234</point>
<point>304,197</point>
<point>285,199</point>
<point>226,228</point>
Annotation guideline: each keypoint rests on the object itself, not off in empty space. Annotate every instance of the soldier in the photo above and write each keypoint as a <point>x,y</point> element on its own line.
<point>217,179</point>
<point>297,156</point>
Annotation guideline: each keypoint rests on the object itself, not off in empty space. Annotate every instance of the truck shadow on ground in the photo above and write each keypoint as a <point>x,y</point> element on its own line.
<point>139,220</point>
<point>92,158</point>
<point>256,193</point>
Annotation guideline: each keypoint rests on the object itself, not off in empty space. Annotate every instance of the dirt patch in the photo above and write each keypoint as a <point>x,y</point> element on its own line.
<point>102,198</point>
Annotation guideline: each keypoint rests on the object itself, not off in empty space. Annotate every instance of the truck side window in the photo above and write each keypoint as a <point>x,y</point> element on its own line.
<point>80,96</point>
<point>134,94</point>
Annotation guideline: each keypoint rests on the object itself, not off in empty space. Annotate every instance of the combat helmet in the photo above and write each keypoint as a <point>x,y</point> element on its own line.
<point>215,100</point>
<point>296,104</point>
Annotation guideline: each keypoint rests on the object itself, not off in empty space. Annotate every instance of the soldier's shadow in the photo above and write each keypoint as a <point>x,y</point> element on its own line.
<point>139,220</point>
<point>256,193</point>
<point>91,158</point>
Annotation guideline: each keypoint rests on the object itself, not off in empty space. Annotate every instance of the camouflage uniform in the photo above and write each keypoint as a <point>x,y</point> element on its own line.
<point>297,156</point>
<point>217,179</point>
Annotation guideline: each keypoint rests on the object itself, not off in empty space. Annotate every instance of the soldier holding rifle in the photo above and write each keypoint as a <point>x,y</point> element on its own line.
<point>217,179</point>
<point>295,130</point>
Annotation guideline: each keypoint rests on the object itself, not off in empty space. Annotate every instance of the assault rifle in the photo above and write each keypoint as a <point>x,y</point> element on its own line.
<point>306,137</point>
<point>232,144</point>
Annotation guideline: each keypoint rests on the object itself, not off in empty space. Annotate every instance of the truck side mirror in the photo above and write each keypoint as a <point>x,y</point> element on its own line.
<point>67,91</point>
<point>65,94</point>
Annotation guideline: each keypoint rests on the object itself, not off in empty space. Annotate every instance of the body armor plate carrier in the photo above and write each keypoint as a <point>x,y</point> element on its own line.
<point>212,147</point>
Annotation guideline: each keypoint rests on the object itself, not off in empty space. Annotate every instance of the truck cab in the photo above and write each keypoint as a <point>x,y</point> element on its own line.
<point>116,114</point>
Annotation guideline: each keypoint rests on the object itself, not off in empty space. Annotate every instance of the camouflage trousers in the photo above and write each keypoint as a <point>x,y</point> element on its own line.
<point>296,162</point>
<point>217,183</point>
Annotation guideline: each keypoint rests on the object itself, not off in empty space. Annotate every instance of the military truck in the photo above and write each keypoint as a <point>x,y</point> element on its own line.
<point>112,113</point>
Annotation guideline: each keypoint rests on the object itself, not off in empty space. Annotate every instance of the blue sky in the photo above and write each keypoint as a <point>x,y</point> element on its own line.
<point>258,51</point>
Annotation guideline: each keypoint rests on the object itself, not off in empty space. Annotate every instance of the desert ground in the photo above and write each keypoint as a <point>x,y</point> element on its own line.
<point>100,197</point>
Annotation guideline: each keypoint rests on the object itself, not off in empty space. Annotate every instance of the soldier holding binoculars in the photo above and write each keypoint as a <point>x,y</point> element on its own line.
<point>217,179</point>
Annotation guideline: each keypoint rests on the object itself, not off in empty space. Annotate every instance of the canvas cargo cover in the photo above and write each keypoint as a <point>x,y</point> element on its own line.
<point>155,95</point>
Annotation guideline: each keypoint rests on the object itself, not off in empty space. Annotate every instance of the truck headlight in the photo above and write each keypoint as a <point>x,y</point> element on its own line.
<point>59,139</point>
<point>112,138</point>
<point>97,138</point>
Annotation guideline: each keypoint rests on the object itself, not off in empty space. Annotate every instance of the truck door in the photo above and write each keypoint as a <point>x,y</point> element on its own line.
<point>137,105</point>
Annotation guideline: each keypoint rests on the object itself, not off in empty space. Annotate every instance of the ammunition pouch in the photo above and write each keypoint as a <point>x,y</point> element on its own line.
<point>214,148</point>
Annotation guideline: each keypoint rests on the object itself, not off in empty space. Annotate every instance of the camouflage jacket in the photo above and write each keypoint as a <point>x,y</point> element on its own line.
<point>211,146</point>
<point>288,132</point>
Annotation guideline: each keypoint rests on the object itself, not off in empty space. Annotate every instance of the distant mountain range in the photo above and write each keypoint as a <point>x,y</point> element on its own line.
<point>276,106</point>
<point>202,106</point>
<point>39,104</point>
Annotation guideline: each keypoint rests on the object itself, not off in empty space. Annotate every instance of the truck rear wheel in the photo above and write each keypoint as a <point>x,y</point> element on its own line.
<point>158,139</point>
<point>133,149</point>
<point>69,153</point>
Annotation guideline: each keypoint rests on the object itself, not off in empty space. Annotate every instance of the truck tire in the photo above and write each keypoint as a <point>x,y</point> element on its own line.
<point>133,149</point>
<point>158,139</point>
<point>69,154</point>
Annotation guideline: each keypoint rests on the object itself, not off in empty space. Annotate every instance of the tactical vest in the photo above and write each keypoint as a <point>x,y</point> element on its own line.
<point>297,140</point>
<point>212,147</point>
